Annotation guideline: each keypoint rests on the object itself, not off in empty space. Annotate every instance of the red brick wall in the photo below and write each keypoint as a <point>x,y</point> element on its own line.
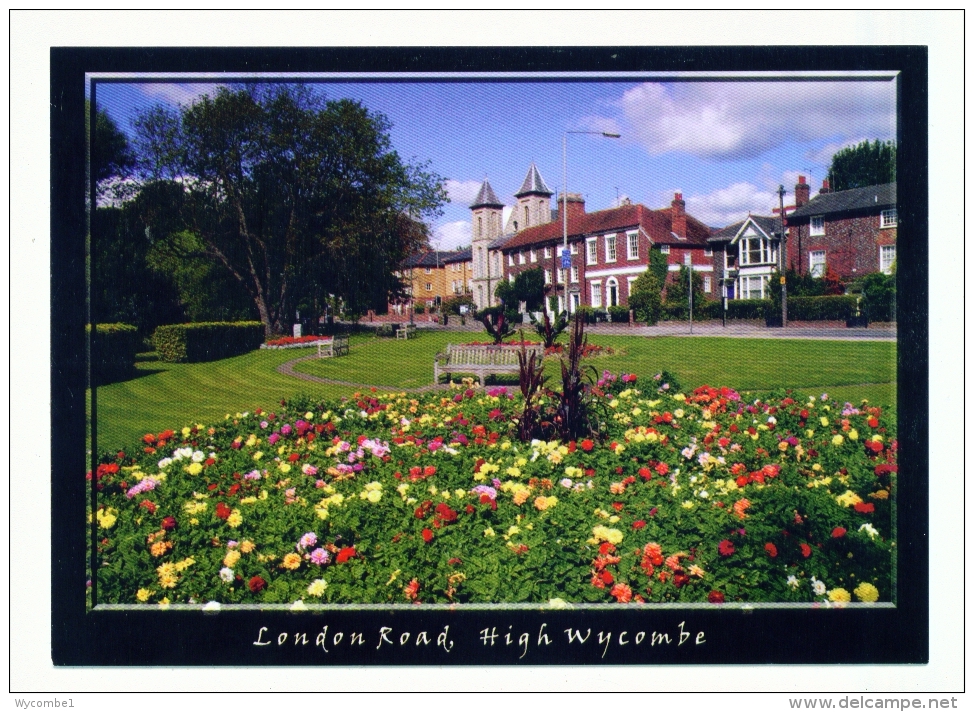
<point>851,244</point>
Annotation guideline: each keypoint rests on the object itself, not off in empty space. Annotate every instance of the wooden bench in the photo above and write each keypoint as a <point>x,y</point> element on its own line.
<point>407,331</point>
<point>335,346</point>
<point>480,360</point>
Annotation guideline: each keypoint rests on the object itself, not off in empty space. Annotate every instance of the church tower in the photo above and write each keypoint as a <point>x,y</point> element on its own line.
<point>533,202</point>
<point>487,211</point>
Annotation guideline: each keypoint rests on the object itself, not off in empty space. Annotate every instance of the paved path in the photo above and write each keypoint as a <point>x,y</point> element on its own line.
<point>288,370</point>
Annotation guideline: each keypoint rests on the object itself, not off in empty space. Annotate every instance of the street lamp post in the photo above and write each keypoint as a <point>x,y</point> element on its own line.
<point>566,256</point>
<point>783,256</point>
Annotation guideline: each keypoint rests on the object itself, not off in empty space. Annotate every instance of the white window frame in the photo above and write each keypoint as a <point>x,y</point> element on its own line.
<point>534,255</point>
<point>547,276</point>
<point>510,259</point>
<point>591,251</point>
<point>816,229</point>
<point>611,253</point>
<point>888,267</point>
<point>816,267</point>
<point>664,249</point>
<point>575,274</point>
<point>561,276</point>
<point>547,252</point>
<point>595,290</point>
<point>632,246</point>
<point>609,284</point>
<point>429,286</point>
<point>428,270</point>
<point>707,284</point>
<point>708,252</point>
<point>573,248</point>
<point>520,257</point>
<point>887,218</point>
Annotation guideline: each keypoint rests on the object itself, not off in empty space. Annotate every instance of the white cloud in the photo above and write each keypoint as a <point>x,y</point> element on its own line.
<point>461,191</point>
<point>451,235</point>
<point>173,93</point>
<point>824,154</point>
<point>733,120</point>
<point>725,206</point>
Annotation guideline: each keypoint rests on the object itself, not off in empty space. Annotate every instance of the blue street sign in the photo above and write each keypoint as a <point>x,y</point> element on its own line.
<point>566,259</point>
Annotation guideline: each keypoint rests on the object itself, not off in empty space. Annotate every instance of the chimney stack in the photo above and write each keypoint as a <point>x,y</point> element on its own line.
<point>802,192</point>
<point>679,215</point>
<point>576,207</point>
<point>825,187</point>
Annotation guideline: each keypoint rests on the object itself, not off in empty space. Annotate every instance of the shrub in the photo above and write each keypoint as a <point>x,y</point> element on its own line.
<point>645,299</point>
<point>747,308</point>
<point>550,331</point>
<point>206,341</point>
<point>827,308</point>
<point>585,314</point>
<point>878,296</point>
<point>619,314</point>
<point>453,304</point>
<point>496,322</point>
<point>115,349</point>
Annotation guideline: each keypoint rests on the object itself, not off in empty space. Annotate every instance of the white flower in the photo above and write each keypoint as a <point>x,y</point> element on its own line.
<point>870,530</point>
<point>226,574</point>
<point>703,494</point>
<point>566,483</point>
<point>197,456</point>
<point>818,587</point>
<point>212,606</point>
<point>165,462</point>
<point>793,582</point>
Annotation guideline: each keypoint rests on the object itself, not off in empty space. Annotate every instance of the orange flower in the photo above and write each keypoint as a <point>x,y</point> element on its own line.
<point>411,589</point>
<point>521,496</point>
<point>740,506</point>
<point>621,592</point>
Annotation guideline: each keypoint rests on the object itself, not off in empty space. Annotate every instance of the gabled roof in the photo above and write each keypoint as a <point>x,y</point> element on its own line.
<point>657,224</point>
<point>769,225</point>
<point>533,184</point>
<point>464,255</point>
<point>871,197</point>
<point>486,198</point>
<point>435,258</point>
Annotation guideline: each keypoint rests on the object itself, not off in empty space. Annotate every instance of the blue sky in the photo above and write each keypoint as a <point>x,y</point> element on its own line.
<point>726,145</point>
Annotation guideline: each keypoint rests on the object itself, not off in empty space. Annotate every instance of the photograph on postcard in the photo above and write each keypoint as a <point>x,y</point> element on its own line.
<point>508,343</point>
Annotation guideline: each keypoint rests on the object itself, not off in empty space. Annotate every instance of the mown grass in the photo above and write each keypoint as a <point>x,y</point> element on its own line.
<point>172,395</point>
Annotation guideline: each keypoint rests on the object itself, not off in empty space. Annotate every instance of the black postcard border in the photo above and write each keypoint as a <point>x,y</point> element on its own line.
<point>188,638</point>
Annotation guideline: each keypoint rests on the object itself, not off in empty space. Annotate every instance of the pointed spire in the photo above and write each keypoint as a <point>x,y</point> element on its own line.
<point>486,198</point>
<point>533,184</point>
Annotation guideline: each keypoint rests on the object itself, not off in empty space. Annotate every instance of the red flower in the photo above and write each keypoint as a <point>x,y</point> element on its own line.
<point>234,488</point>
<point>617,506</point>
<point>257,584</point>
<point>346,553</point>
<point>771,549</point>
<point>680,580</point>
<point>645,473</point>
<point>715,597</point>
<point>865,507</point>
<point>806,550</point>
<point>606,548</point>
<point>587,445</point>
<point>607,577</point>
<point>148,438</point>
<point>639,524</point>
<point>444,513</point>
<point>427,535</point>
<point>169,523</point>
<point>621,592</point>
<point>726,547</point>
<point>838,532</point>
<point>429,471</point>
<point>222,511</point>
<point>148,505</point>
<point>662,468</point>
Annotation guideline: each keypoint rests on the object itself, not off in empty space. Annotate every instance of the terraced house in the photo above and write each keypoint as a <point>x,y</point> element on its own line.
<point>434,275</point>
<point>608,249</point>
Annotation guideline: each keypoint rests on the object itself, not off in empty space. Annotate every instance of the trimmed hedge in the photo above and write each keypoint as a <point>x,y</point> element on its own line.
<point>207,341</point>
<point>619,314</point>
<point>115,349</point>
<point>747,308</point>
<point>832,308</point>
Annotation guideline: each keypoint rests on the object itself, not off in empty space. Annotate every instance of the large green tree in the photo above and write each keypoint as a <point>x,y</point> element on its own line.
<point>296,197</point>
<point>863,164</point>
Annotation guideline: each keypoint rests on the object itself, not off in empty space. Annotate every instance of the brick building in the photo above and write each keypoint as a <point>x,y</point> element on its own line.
<point>850,232</point>
<point>745,256</point>
<point>434,274</point>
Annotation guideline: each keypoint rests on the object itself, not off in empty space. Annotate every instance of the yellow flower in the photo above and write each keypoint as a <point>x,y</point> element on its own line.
<point>317,587</point>
<point>374,496</point>
<point>513,472</point>
<point>232,557</point>
<point>688,504</point>
<point>186,432</point>
<point>880,494</point>
<point>541,503</point>
<point>235,519</point>
<point>258,455</point>
<point>160,547</point>
<point>247,546</point>
<point>248,500</point>
<point>848,498</point>
<point>194,468</point>
<point>866,592</point>
<point>185,563</point>
<point>837,440</point>
<point>167,575</point>
<point>783,445</point>
<point>603,533</point>
<point>853,434</point>
<point>284,467</point>
<point>143,594</point>
<point>824,421</point>
<point>489,531</point>
<point>839,595</point>
<point>106,518</point>
<point>291,561</point>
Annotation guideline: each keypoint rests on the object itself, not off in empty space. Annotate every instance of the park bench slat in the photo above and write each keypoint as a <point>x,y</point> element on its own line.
<point>480,360</point>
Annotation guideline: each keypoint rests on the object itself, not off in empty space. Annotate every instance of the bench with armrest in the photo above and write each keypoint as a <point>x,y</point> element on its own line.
<point>335,346</point>
<point>406,331</point>
<point>480,360</point>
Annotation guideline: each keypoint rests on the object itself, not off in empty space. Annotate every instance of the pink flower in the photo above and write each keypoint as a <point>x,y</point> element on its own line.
<point>726,547</point>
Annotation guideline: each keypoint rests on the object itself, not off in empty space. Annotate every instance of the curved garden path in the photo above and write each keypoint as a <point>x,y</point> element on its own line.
<point>287,369</point>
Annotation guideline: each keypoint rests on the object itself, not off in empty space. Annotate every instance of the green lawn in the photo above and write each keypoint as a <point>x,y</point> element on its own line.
<point>172,395</point>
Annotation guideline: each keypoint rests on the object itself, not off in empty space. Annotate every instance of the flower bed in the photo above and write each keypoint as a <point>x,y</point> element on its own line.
<point>392,499</point>
<point>291,342</point>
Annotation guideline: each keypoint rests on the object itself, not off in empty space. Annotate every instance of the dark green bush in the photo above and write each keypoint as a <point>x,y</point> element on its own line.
<point>585,313</point>
<point>207,341</point>
<point>830,308</point>
<point>645,298</point>
<point>453,304</point>
<point>878,296</point>
<point>115,349</point>
<point>619,314</point>
<point>747,308</point>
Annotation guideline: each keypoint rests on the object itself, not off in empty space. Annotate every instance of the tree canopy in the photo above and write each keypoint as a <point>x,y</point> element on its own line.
<point>863,164</point>
<point>298,198</point>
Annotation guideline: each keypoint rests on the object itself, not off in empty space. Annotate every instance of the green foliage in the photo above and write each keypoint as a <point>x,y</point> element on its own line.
<point>659,266</point>
<point>825,308</point>
<point>618,313</point>
<point>878,296</point>
<point>296,197</point>
<point>863,164</point>
<point>548,330</point>
<point>113,157</point>
<point>576,414</point>
<point>452,305</point>
<point>497,322</point>
<point>677,291</point>
<point>748,308</point>
<point>645,297</point>
<point>115,349</point>
<point>529,288</point>
<point>206,341</point>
